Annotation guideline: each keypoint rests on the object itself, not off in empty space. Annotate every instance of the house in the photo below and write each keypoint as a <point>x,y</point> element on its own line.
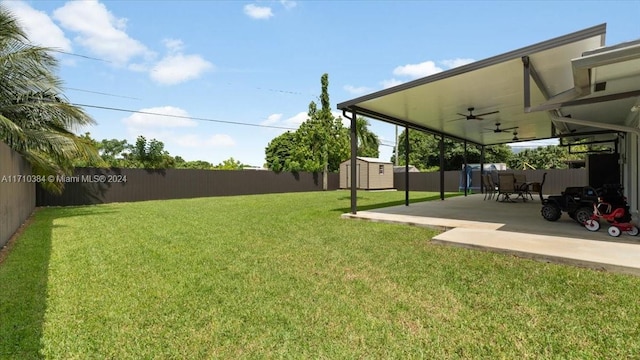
<point>371,173</point>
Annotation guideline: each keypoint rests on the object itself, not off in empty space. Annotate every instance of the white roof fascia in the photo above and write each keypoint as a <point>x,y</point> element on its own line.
<point>582,73</point>
<point>598,30</point>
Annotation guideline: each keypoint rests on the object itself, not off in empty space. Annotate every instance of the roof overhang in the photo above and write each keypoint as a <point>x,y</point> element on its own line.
<point>533,89</point>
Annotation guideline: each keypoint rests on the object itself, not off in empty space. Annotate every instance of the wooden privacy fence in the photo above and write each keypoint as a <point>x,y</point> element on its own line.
<point>96,186</point>
<point>17,192</point>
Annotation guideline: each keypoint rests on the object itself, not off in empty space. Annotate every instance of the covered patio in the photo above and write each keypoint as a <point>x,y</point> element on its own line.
<point>572,88</point>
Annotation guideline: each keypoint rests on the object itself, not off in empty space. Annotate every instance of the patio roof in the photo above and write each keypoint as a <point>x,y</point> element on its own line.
<point>568,85</point>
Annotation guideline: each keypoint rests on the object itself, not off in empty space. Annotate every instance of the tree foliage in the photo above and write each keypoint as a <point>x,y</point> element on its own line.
<point>230,164</point>
<point>35,118</point>
<point>368,142</point>
<point>149,154</point>
<point>425,152</point>
<point>321,143</point>
<point>545,157</point>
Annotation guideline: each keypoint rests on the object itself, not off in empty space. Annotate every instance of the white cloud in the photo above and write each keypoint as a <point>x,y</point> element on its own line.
<point>173,45</point>
<point>177,68</point>
<point>356,90</point>
<point>288,4</point>
<point>258,12</point>
<point>452,63</point>
<point>390,83</point>
<point>216,140</point>
<point>39,27</point>
<point>297,119</point>
<point>272,119</point>
<point>415,71</point>
<point>100,31</point>
<point>159,117</point>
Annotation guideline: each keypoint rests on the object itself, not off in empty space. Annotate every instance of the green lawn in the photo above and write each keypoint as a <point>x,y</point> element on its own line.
<point>282,276</point>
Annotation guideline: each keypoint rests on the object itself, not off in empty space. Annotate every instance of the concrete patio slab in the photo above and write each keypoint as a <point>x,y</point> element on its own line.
<point>515,228</point>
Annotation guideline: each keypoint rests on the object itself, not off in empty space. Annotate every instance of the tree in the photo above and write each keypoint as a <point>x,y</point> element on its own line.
<point>230,164</point>
<point>546,157</point>
<point>82,162</point>
<point>181,163</point>
<point>368,142</point>
<point>278,153</point>
<point>113,152</point>
<point>425,152</point>
<point>149,154</point>
<point>319,144</point>
<point>36,120</point>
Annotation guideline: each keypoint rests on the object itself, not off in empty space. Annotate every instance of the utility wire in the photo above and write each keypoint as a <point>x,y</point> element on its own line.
<point>102,93</point>
<point>78,55</point>
<point>184,117</point>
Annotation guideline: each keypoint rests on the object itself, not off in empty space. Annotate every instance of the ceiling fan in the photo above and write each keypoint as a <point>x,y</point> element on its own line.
<point>472,116</point>
<point>498,129</point>
<point>516,138</point>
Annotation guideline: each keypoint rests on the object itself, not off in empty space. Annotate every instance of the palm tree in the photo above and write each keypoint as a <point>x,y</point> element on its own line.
<point>368,142</point>
<point>35,118</point>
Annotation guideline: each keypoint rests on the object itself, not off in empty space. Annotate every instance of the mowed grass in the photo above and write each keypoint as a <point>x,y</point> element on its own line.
<point>283,276</point>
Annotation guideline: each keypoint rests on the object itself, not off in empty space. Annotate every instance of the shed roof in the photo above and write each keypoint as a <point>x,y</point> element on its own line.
<point>371,160</point>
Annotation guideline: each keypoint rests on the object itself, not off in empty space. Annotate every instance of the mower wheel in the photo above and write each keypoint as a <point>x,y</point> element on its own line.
<point>550,212</point>
<point>583,214</point>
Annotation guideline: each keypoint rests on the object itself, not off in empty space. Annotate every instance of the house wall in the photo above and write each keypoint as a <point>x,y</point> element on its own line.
<point>17,195</point>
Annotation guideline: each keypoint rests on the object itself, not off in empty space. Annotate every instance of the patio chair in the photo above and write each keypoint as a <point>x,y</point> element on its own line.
<point>487,185</point>
<point>522,186</point>
<point>537,186</point>
<point>506,187</point>
<point>492,187</point>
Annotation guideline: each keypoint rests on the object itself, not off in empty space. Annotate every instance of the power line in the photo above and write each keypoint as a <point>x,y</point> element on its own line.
<point>184,117</point>
<point>102,93</point>
<point>78,55</point>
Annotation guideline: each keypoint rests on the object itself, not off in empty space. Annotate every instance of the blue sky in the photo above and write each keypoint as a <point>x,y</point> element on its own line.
<point>260,62</point>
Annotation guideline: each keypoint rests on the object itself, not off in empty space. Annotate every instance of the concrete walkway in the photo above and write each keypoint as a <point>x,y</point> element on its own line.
<point>515,228</point>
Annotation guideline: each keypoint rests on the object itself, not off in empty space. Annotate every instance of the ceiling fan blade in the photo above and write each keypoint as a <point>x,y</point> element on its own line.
<point>458,119</point>
<point>509,128</point>
<point>464,115</point>
<point>488,113</point>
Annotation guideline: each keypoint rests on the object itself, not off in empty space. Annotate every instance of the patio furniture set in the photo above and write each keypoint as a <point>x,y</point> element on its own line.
<point>509,187</point>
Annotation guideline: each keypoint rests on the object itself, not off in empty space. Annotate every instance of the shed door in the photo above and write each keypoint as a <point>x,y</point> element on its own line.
<point>357,176</point>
